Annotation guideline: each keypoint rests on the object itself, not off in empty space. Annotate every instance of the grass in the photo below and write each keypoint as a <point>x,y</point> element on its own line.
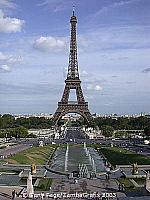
<point>130,188</point>
<point>140,181</point>
<point>127,183</point>
<point>44,184</point>
<point>36,155</point>
<point>120,156</point>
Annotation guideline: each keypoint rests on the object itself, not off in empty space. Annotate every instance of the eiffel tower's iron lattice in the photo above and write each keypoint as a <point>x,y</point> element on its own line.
<point>72,82</point>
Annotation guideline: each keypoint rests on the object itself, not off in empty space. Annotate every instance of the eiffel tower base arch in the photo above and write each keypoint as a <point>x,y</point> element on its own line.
<point>81,109</point>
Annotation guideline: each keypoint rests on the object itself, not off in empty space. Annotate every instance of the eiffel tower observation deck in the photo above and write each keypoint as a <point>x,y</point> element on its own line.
<point>72,82</point>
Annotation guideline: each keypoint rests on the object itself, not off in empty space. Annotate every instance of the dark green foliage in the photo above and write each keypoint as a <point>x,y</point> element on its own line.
<point>34,122</point>
<point>8,121</point>
<point>19,127</point>
<point>123,122</point>
<point>107,130</point>
<point>18,132</point>
<point>120,156</point>
<point>147,130</point>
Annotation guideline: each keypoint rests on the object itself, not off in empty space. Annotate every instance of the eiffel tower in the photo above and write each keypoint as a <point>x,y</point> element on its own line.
<point>72,82</point>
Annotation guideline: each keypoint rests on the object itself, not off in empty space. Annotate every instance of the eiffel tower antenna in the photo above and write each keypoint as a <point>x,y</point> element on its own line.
<point>72,82</point>
<point>73,11</point>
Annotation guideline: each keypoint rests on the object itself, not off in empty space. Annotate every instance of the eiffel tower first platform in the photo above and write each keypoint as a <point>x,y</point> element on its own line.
<point>72,82</point>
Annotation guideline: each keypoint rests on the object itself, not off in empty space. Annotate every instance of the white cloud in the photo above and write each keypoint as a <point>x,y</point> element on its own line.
<point>15,60</point>
<point>98,88</point>
<point>9,25</point>
<point>11,59</point>
<point>84,73</point>
<point>113,5</point>
<point>117,37</point>
<point>56,6</point>
<point>3,56</point>
<point>7,4</point>
<point>49,44</point>
<point>7,61</point>
<point>5,68</point>
<point>94,87</point>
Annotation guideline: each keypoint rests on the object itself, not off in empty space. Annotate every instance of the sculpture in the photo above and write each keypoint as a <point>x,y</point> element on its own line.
<point>134,169</point>
<point>33,169</point>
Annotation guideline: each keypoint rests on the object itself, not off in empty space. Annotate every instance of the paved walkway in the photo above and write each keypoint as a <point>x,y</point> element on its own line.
<point>8,151</point>
<point>85,186</point>
<point>8,189</point>
<point>70,186</point>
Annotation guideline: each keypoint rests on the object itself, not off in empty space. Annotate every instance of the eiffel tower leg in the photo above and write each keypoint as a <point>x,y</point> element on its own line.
<point>65,96</point>
<point>79,93</point>
<point>57,116</point>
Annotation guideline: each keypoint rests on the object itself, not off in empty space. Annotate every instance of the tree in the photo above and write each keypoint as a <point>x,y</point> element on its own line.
<point>21,132</point>
<point>147,130</point>
<point>18,132</point>
<point>92,124</point>
<point>119,133</point>
<point>2,134</point>
<point>7,121</point>
<point>107,131</point>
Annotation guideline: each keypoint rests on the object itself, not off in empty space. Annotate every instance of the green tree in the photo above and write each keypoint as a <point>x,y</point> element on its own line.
<point>2,133</point>
<point>7,121</point>
<point>18,132</point>
<point>107,131</point>
<point>147,131</point>
<point>119,134</point>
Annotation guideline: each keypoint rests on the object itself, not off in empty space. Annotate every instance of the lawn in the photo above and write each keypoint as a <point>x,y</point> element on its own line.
<point>127,183</point>
<point>44,184</point>
<point>120,156</point>
<point>35,154</point>
<point>130,189</point>
<point>140,181</point>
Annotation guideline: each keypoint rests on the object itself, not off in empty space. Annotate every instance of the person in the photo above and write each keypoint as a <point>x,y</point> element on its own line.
<point>76,181</point>
<point>106,176</point>
<point>13,194</point>
<point>123,188</point>
<point>119,187</point>
<point>42,195</point>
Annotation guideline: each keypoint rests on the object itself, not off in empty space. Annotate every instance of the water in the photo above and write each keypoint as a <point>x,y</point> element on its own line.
<point>91,159</point>
<point>9,179</point>
<point>66,158</point>
<point>77,156</point>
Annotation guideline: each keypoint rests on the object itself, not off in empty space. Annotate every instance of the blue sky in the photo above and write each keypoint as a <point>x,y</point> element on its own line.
<point>113,54</point>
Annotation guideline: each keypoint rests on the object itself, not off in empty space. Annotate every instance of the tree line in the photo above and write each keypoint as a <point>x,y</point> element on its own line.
<point>122,123</point>
<point>108,125</point>
<point>19,127</point>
